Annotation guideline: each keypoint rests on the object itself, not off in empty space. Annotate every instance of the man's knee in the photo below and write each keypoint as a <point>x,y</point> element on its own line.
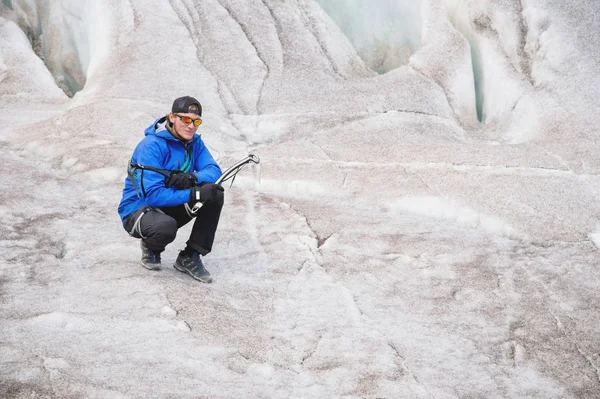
<point>159,229</point>
<point>166,230</point>
<point>220,197</point>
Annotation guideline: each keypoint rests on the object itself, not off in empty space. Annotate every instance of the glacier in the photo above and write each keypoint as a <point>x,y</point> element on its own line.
<point>424,221</point>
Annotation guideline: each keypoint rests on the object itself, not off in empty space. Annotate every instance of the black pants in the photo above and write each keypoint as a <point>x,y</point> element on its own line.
<point>158,226</point>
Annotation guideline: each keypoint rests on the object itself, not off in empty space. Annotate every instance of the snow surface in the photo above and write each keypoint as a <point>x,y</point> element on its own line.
<point>427,232</point>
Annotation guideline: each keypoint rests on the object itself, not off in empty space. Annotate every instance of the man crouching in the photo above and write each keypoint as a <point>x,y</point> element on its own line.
<point>170,171</point>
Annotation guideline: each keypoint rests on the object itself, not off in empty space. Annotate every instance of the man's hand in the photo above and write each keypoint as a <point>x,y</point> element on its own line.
<point>206,193</point>
<point>181,181</point>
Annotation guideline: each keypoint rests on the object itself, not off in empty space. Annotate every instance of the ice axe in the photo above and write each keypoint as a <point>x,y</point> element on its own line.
<point>230,173</point>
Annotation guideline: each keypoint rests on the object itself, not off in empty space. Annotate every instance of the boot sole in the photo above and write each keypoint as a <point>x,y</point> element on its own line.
<point>184,270</point>
<point>150,267</point>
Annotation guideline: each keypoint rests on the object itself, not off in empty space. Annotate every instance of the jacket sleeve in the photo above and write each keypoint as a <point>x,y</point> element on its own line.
<point>149,153</point>
<point>205,166</point>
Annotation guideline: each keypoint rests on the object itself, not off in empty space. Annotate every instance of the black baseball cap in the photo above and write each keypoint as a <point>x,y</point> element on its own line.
<point>183,104</point>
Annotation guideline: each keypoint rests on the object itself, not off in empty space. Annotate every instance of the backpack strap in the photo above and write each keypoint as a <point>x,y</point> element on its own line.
<point>132,167</point>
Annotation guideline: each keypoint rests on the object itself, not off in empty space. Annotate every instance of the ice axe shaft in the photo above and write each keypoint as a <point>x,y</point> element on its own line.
<point>231,171</point>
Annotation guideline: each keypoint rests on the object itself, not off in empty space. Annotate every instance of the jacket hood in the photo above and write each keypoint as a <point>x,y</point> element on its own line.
<point>159,128</point>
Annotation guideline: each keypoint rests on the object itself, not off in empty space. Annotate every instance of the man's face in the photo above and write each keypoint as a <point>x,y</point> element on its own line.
<point>184,130</point>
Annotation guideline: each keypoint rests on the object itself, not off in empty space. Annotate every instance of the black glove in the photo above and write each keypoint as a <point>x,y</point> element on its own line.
<point>181,181</point>
<point>206,193</point>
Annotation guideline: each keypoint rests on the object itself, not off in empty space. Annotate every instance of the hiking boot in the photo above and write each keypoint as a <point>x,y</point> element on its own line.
<point>150,258</point>
<point>193,266</point>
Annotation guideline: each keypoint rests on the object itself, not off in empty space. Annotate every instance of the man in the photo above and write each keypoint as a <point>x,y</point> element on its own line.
<point>170,171</point>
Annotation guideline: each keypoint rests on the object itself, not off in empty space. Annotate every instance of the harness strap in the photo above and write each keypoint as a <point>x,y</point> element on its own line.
<point>137,225</point>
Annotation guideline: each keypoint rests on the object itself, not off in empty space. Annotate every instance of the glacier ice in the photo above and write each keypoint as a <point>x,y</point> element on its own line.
<point>65,41</point>
<point>384,33</point>
<point>427,231</point>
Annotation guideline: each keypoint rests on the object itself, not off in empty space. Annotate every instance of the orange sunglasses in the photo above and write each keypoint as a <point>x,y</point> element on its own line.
<point>187,120</point>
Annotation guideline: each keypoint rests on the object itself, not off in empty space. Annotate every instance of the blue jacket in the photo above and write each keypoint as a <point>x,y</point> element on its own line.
<point>160,149</point>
